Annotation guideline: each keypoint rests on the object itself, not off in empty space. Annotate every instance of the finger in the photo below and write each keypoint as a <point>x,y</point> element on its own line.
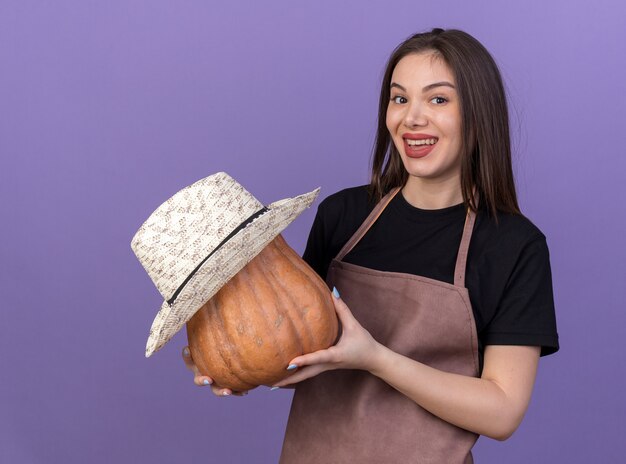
<point>224,392</point>
<point>220,391</point>
<point>317,357</point>
<point>304,374</point>
<point>202,380</point>
<point>341,307</point>
<point>189,360</point>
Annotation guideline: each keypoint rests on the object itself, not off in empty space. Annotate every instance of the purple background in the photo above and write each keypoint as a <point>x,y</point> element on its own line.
<point>108,108</point>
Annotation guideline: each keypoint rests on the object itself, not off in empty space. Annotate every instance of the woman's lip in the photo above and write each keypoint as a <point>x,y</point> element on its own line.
<point>419,136</point>
<point>419,152</point>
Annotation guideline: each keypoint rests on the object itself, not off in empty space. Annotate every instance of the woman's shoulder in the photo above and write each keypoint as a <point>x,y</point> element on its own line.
<point>512,232</point>
<point>348,197</point>
<point>352,203</point>
<point>338,217</point>
<point>341,213</point>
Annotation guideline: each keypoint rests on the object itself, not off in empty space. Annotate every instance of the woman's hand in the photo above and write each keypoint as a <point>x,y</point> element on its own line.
<point>203,380</point>
<point>356,349</point>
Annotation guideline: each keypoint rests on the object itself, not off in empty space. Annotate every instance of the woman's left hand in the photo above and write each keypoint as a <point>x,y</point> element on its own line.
<point>356,349</point>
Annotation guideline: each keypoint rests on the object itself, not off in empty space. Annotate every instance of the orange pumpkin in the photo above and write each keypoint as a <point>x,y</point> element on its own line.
<point>274,309</point>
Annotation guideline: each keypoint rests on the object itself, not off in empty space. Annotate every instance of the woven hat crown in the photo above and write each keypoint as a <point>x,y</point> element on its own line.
<point>187,227</point>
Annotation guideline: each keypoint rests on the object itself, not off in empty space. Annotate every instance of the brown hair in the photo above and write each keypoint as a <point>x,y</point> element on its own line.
<point>485,142</point>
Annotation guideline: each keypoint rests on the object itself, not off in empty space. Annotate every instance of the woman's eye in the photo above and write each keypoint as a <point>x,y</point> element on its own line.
<point>441,100</point>
<point>395,99</point>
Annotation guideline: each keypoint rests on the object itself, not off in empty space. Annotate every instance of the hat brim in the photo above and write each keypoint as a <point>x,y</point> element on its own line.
<point>222,265</point>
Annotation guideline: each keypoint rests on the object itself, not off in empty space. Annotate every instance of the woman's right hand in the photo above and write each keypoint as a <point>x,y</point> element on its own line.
<point>203,380</point>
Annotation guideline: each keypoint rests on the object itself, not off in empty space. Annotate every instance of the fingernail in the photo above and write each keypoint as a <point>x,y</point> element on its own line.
<point>335,292</point>
<point>291,367</point>
<point>225,394</point>
<point>186,351</point>
<point>206,382</point>
<point>274,388</point>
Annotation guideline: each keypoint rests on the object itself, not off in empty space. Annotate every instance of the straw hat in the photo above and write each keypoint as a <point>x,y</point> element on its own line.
<point>199,239</point>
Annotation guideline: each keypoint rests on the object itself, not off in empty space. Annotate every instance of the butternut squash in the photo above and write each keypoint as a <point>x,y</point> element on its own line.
<point>274,309</point>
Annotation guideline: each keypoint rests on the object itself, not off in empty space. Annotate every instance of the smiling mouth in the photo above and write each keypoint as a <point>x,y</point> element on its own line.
<point>419,148</point>
<point>421,142</point>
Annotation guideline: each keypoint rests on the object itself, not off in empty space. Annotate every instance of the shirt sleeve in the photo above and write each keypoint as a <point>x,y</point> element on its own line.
<point>525,314</point>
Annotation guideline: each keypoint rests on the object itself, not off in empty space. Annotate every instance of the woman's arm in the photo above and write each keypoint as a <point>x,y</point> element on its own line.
<point>492,405</point>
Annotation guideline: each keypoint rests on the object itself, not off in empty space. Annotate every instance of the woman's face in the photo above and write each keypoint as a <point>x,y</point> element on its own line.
<point>423,106</point>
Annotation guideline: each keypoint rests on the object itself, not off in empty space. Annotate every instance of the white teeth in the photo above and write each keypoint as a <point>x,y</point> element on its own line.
<point>421,142</point>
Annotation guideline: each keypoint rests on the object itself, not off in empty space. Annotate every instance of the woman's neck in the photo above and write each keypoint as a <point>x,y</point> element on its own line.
<point>425,194</point>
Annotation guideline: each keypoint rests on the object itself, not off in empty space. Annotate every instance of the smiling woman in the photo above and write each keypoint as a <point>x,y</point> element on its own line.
<point>426,98</point>
<point>453,70</point>
<point>442,287</point>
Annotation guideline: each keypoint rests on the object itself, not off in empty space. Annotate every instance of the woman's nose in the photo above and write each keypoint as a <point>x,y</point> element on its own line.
<point>415,116</point>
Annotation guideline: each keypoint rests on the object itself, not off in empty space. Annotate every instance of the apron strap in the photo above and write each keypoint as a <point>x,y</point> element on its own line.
<point>461,258</point>
<point>365,226</point>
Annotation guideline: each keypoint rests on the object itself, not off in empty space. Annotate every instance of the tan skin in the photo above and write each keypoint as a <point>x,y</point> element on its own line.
<point>492,405</point>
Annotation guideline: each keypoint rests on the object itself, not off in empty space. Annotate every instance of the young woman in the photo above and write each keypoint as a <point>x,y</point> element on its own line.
<point>442,287</point>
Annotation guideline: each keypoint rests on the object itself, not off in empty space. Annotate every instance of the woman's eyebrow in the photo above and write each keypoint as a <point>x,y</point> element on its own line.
<point>427,88</point>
